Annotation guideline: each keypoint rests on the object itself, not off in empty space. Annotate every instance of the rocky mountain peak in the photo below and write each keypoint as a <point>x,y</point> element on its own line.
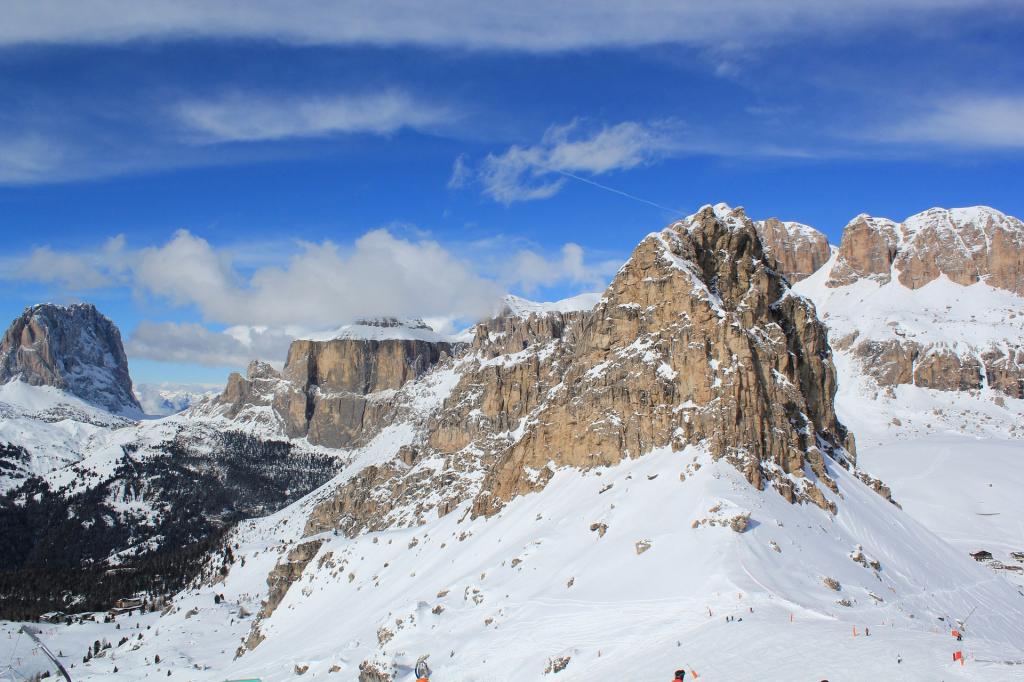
<point>327,391</point>
<point>393,322</point>
<point>967,245</point>
<point>74,348</point>
<point>799,249</point>
<point>696,342</point>
<point>933,276</point>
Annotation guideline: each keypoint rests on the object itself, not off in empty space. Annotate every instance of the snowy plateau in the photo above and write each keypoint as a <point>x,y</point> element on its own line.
<point>575,489</point>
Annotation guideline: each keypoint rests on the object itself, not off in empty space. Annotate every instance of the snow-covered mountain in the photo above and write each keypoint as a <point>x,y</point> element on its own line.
<point>926,323</point>
<point>168,398</point>
<point>73,348</point>
<point>94,499</point>
<point>64,385</point>
<point>673,473</point>
<point>44,429</point>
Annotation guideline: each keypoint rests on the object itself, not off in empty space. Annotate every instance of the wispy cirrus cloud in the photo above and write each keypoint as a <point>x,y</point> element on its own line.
<point>248,117</point>
<point>530,25</point>
<point>540,171</point>
<point>28,156</point>
<point>959,120</point>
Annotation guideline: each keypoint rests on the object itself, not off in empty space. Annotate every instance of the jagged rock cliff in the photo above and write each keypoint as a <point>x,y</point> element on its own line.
<point>696,341</point>
<point>521,324</point>
<point>799,249</point>
<point>934,301</point>
<point>73,348</point>
<point>967,245</point>
<point>332,392</point>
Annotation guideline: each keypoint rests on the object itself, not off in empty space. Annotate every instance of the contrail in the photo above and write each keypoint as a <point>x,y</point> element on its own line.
<point>674,211</point>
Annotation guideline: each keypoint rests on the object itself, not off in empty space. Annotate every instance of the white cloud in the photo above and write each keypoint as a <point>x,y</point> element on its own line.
<point>317,287</point>
<point>321,286</point>
<point>461,173</point>
<point>532,271</point>
<point>532,25</point>
<point>74,271</point>
<point>962,121</point>
<point>195,344</point>
<point>248,117</point>
<point>28,157</point>
<point>537,172</point>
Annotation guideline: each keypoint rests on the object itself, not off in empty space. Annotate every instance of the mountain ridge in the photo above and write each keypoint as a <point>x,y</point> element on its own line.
<point>634,463</point>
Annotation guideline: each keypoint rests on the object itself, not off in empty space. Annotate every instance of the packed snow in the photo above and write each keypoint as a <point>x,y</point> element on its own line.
<point>510,596</point>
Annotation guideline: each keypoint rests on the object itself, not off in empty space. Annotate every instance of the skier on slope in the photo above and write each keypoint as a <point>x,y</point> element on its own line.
<point>680,674</point>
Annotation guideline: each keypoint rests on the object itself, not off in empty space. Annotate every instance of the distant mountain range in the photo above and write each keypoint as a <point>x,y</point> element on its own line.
<point>740,425</point>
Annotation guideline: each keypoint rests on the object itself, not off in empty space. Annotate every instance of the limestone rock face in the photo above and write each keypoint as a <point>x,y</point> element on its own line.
<point>74,348</point>
<point>511,332</point>
<point>953,336</point>
<point>360,366</point>
<point>940,367</point>
<point>967,245</point>
<point>332,392</point>
<point>697,341</point>
<point>867,249</point>
<point>799,249</point>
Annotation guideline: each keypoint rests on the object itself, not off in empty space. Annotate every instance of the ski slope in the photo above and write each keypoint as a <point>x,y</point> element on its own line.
<point>534,583</point>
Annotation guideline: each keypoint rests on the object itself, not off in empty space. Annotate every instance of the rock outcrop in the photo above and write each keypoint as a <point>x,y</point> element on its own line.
<point>697,341</point>
<point>333,392</point>
<point>514,329</point>
<point>74,348</point>
<point>941,367</point>
<point>967,245</point>
<point>799,249</point>
<point>867,250</point>
<point>281,578</point>
<point>941,338</point>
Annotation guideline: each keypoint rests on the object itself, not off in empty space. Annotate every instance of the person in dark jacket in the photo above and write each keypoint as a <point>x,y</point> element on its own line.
<point>680,674</point>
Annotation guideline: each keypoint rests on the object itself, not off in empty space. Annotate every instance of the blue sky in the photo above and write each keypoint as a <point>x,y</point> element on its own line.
<point>221,177</point>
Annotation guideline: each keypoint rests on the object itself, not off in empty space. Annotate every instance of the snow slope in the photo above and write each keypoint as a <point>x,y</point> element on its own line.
<point>960,317</point>
<point>500,598</point>
<point>56,428</point>
<point>953,459</point>
<point>522,307</point>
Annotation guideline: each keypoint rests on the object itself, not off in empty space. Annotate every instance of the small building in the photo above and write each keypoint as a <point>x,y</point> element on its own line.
<point>125,606</point>
<point>130,603</point>
<point>982,555</point>
<point>53,617</point>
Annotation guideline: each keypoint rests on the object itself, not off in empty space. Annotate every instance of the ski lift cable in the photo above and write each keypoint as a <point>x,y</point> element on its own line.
<point>49,654</point>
